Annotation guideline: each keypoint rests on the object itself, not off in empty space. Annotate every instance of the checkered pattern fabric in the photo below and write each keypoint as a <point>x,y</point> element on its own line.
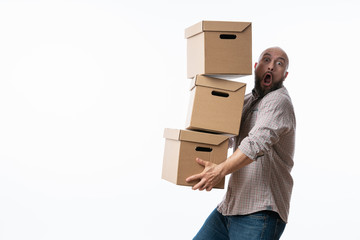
<point>267,136</point>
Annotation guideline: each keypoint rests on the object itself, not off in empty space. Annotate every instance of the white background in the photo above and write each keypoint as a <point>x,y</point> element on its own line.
<point>87,87</point>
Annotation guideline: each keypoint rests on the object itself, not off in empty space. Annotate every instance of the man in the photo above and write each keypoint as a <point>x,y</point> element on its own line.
<point>256,204</point>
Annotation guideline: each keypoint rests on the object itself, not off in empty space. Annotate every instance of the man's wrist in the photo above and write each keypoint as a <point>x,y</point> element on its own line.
<point>223,169</point>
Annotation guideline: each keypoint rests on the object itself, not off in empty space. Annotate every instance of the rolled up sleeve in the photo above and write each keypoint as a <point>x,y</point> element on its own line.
<point>275,117</point>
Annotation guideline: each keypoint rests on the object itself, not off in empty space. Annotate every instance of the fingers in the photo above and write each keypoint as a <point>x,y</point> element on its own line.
<point>194,177</point>
<point>203,181</point>
<point>200,175</point>
<point>200,185</point>
<point>201,162</point>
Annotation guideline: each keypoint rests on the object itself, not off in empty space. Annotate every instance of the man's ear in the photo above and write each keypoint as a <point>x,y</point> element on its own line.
<point>255,65</point>
<point>286,74</point>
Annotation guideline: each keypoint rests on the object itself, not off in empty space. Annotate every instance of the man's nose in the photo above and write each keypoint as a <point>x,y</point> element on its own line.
<point>271,66</point>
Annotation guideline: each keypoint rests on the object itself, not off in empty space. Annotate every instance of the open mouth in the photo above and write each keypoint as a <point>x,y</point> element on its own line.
<point>267,80</point>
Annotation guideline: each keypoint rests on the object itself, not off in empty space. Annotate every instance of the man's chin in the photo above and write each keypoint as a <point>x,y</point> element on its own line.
<point>269,88</point>
<point>260,90</point>
<point>266,89</point>
<point>263,90</point>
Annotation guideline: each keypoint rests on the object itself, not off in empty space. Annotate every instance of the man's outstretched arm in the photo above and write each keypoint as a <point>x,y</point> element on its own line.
<point>213,173</point>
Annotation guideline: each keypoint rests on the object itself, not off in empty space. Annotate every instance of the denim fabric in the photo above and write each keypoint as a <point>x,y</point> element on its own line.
<point>263,225</point>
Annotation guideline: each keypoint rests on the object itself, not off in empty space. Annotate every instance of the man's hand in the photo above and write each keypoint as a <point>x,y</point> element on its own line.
<point>210,176</point>
<point>213,173</point>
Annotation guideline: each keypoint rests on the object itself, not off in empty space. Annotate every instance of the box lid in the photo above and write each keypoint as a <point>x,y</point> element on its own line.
<point>205,81</point>
<point>216,26</point>
<point>194,136</point>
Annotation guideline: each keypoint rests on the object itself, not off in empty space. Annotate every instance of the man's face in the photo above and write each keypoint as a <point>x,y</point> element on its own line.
<point>270,71</point>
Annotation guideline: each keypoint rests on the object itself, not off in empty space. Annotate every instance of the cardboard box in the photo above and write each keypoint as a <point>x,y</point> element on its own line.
<point>215,105</point>
<point>219,48</point>
<point>181,149</point>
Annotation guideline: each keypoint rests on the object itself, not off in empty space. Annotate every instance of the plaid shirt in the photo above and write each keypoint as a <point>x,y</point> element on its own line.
<point>267,135</point>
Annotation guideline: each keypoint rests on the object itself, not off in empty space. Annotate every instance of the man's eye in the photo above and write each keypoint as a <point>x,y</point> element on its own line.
<point>279,63</point>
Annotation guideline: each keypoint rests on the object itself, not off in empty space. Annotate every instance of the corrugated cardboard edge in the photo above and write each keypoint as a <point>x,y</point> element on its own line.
<point>216,26</point>
<point>216,83</point>
<point>195,136</point>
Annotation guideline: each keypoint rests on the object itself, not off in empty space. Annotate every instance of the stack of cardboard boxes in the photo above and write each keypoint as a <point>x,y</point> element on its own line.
<point>216,51</point>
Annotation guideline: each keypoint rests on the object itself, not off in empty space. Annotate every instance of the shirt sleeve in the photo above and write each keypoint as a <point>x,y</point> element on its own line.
<point>275,117</point>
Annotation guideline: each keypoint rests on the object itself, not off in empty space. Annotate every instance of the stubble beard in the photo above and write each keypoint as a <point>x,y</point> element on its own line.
<point>262,92</point>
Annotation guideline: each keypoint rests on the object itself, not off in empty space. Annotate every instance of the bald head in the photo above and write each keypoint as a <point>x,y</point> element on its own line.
<point>271,70</point>
<point>276,50</point>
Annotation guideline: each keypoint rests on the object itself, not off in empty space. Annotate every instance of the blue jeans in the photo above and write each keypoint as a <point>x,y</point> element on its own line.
<point>266,225</point>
